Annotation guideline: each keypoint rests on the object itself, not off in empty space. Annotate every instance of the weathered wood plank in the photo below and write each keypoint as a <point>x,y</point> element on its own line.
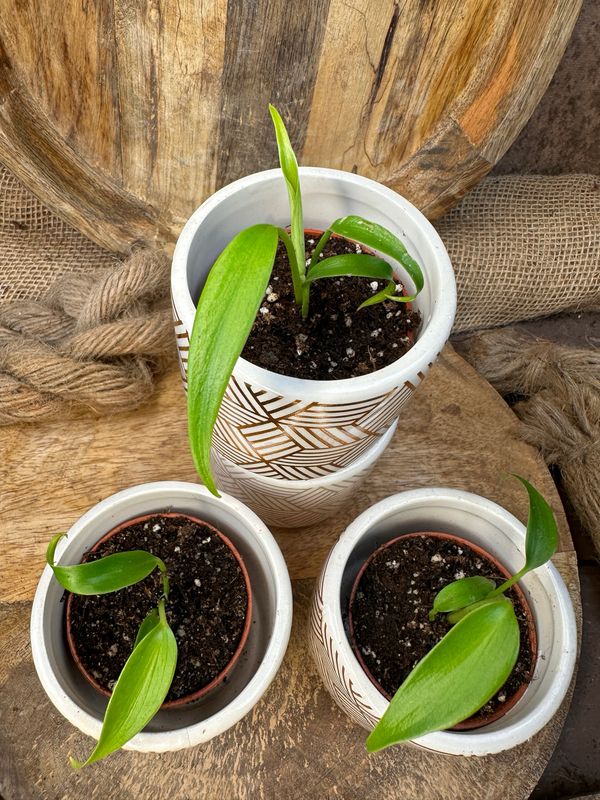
<point>123,116</point>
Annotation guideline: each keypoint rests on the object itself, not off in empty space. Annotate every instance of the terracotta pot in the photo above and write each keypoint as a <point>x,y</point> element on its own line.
<point>247,623</point>
<point>478,719</point>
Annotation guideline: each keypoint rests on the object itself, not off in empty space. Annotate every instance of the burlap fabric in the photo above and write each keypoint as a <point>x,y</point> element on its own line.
<point>524,246</point>
<point>36,247</point>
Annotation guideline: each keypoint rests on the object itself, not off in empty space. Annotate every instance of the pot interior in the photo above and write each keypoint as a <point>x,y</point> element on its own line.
<point>264,615</point>
<point>327,195</point>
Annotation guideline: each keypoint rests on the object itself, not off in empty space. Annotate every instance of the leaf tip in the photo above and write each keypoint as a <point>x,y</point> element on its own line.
<point>75,763</point>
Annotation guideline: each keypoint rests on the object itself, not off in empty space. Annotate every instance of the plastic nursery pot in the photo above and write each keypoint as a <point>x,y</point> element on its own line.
<point>478,719</point>
<point>292,428</point>
<point>481,523</point>
<point>245,631</point>
<point>210,715</point>
<point>292,503</point>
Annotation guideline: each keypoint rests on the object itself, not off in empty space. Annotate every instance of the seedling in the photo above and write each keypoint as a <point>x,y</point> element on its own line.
<point>146,677</point>
<point>237,282</point>
<point>474,659</point>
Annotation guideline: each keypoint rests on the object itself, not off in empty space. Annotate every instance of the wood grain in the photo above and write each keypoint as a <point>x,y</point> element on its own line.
<point>122,116</point>
<point>456,431</point>
<point>296,744</point>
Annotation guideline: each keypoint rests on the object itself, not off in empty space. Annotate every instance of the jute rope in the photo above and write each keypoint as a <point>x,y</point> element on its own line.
<point>94,340</point>
<point>560,409</point>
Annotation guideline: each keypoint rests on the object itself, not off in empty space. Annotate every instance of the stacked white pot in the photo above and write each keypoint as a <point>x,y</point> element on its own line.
<point>289,430</point>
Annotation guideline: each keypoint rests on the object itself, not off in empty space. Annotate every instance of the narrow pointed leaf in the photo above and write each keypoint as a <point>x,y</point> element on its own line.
<point>379,238</point>
<point>148,624</point>
<point>455,679</point>
<point>461,593</point>
<point>350,265</point>
<point>226,310</point>
<point>108,574</point>
<point>289,167</point>
<point>386,293</point>
<point>541,539</point>
<point>138,693</point>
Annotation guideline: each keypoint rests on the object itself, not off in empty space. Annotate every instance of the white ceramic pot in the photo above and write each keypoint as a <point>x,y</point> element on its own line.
<point>171,729</point>
<point>495,530</point>
<point>291,504</point>
<point>291,428</point>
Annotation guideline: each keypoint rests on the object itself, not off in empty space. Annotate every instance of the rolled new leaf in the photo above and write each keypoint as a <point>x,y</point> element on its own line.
<point>107,574</point>
<point>289,167</point>
<point>140,690</point>
<point>226,311</point>
<point>460,594</point>
<point>456,678</point>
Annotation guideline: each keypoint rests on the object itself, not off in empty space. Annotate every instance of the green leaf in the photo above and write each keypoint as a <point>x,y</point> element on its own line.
<point>461,593</point>
<point>108,574</point>
<point>148,624</point>
<point>385,294</point>
<point>226,310</point>
<point>289,167</point>
<point>379,238</point>
<point>456,678</point>
<point>350,265</point>
<point>139,692</point>
<point>541,538</point>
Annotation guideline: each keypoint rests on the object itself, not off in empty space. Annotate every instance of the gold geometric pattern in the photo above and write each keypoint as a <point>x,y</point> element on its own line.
<point>282,503</point>
<point>280,437</point>
<point>330,664</point>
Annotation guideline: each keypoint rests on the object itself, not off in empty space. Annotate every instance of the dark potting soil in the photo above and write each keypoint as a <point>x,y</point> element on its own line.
<point>206,608</point>
<point>336,340</point>
<point>390,613</point>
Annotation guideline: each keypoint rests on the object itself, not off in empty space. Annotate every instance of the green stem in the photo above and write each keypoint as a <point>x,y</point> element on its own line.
<point>165,578</point>
<point>161,611</point>
<point>508,583</point>
<point>319,248</point>
<point>298,270</point>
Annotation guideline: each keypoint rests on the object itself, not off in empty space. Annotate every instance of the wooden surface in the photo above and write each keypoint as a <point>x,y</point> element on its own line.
<point>296,743</point>
<point>122,117</point>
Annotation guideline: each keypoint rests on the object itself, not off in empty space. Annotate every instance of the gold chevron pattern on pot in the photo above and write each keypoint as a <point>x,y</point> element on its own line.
<point>285,504</point>
<point>281,437</point>
<point>330,664</point>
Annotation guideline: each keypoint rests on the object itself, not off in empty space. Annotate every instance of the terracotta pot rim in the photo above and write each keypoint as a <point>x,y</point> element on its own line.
<point>477,720</point>
<point>189,698</point>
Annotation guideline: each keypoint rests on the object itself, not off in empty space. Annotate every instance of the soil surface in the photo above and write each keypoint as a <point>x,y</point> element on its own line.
<point>391,608</point>
<point>206,608</point>
<point>336,340</point>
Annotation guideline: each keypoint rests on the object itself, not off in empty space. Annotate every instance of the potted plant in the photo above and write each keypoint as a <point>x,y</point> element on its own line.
<point>462,641</point>
<point>166,587</point>
<point>305,344</point>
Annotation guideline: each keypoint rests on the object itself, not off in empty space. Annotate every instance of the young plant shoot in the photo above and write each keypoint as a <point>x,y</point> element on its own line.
<point>475,658</point>
<point>237,282</point>
<point>147,675</point>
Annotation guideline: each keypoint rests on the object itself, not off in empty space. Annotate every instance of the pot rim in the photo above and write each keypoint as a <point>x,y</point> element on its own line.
<point>560,656</point>
<point>430,340</point>
<point>164,495</point>
<point>204,690</point>
<point>476,720</point>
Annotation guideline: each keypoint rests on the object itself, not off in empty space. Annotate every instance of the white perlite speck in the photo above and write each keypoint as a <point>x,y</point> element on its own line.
<point>436,557</point>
